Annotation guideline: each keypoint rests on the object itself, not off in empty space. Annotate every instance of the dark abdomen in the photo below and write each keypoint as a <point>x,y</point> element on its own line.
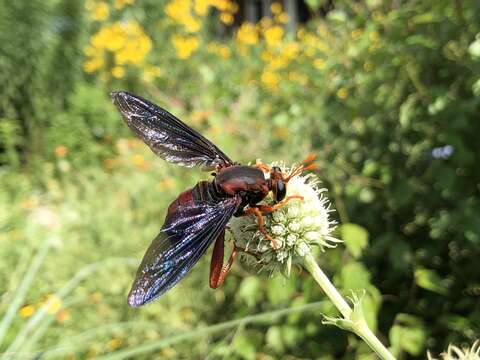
<point>203,192</point>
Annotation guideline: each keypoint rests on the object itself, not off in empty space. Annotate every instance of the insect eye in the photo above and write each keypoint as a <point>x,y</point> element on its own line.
<point>279,191</point>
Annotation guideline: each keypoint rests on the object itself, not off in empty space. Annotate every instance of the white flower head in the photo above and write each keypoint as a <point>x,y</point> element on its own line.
<point>455,353</point>
<point>297,227</point>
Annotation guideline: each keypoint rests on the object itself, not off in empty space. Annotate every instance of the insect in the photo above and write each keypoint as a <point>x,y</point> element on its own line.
<point>199,216</point>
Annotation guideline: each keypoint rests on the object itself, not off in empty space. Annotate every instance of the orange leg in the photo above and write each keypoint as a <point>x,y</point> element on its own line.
<point>256,211</point>
<point>219,271</point>
<point>267,209</point>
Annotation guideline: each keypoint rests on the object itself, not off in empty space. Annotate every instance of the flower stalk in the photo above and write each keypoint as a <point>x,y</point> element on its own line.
<point>353,320</point>
<point>298,227</point>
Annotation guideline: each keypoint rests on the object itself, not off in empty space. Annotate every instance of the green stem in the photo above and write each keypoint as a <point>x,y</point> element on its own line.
<point>376,345</point>
<point>359,325</point>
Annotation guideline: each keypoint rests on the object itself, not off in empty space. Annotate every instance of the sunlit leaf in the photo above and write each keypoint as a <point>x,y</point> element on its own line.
<point>429,280</point>
<point>355,238</point>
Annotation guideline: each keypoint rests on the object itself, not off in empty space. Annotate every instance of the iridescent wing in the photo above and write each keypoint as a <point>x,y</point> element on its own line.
<point>167,136</point>
<point>191,225</point>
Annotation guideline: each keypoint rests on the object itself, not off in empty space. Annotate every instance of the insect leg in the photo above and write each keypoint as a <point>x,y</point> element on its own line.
<point>256,211</point>
<point>248,252</point>
<point>267,209</point>
<point>219,271</point>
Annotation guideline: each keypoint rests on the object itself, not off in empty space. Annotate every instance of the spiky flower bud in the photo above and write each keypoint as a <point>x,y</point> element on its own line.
<point>297,227</point>
<point>455,353</point>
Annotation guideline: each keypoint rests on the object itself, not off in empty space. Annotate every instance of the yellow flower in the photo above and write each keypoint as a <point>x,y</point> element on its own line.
<point>270,79</point>
<point>342,93</point>
<point>93,64</point>
<point>96,296</point>
<point>322,46</point>
<point>219,49</point>
<point>27,311</point>
<point>226,18</point>
<point>291,50</point>
<point>278,62</point>
<point>356,34</point>
<point>139,162</point>
<point>310,52</point>
<point>267,56</point>
<point>177,9</point>
<point>114,343</point>
<point>54,304</point>
<point>247,34</point>
<point>276,8</point>
<point>29,204</point>
<point>201,7</point>
<point>320,64</point>
<point>165,184</point>
<point>180,11</point>
<point>120,4</point>
<point>151,72</point>
<point>301,33</point>
<point>265,23</point>
<point>224,52</point>
<point>185,46</point>
<point>222,5</point>
<point>297,77</point>
<point>233,7</point>
<point>374,36</point>
<point>126,40</point>
<point>61,151</point>
<point>110,163</point>
<point>63,315</point>
<point>191,24</point>
<point>118,72</point>
<point>282,18</point>
<point>322,30</point>
<point>100,11</point>
<point>90,51</point>
<point>273,35</point>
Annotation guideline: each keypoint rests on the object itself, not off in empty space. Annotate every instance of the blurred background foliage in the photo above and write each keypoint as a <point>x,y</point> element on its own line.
<point>386,93</point>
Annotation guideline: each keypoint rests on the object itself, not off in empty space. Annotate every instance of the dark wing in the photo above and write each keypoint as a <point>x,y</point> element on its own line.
<point>167,136</point>
<point>188,231</point>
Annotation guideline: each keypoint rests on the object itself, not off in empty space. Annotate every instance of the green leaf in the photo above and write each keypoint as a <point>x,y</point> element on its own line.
<point>244,346</point>
<point>474,49</point>
<point>354,276</point>
<point>408,334</point>
<point>425,18</point>
<point>315,4</point>
<point>250,290</point>
<point>291,335</point>
<point>274,338</point>
<point>280,289</point>
<point>407,111</point>
<point>371,303</point>
<point>476,87</point>
<point>429,280</point>
<point>355,237</point>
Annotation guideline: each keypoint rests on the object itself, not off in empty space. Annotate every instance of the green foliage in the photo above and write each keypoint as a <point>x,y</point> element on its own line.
<point>407,334</point>
<point>429,280</point>
<point>355,238</point>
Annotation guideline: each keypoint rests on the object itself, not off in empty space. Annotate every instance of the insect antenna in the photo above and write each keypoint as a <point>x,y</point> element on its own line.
<point>297,170</point>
